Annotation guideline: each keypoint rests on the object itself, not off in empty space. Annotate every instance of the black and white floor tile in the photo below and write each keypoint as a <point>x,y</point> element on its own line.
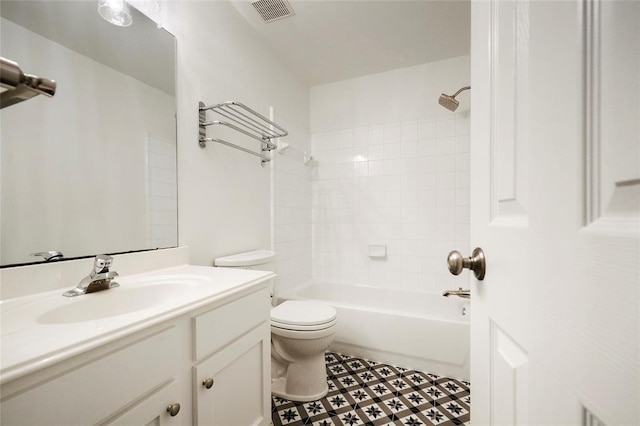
<point>364,392</point>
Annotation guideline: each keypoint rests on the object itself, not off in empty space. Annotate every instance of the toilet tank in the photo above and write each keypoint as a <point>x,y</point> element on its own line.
<point>262,260</point>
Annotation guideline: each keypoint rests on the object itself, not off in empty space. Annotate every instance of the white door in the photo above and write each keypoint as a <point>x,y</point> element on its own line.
<point>555,170</point>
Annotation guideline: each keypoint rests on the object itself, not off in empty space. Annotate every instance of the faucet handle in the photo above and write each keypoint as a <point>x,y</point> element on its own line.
<point>101,263</point>
<point>49,255</point>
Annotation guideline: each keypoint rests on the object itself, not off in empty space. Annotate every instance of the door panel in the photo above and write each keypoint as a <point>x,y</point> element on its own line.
<point>509,85</point>
<point>612,105</point>
<point>509,378</point>
<point>556,322</point>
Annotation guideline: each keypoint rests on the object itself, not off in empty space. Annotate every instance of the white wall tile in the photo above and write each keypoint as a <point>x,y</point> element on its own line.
<point>409,131</point>
<point>376,168</point>
<point>462,125</point>
<point>446,180</point>
<point>462,144</point>
<point>462,162</point>
<point>446,163</point>
<point>427,130</point>
<point>376,135</point>
<point>409,149</point>
<point>427,147</point>
<point>392,151</point>
<point>392,133</point>
<point>445,128</point>
<point>392,167</point>
<point>446,145</point>
<point>409,189</point>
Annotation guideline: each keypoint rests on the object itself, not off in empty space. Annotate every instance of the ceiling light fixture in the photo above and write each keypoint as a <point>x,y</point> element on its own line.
<point>116,12</point>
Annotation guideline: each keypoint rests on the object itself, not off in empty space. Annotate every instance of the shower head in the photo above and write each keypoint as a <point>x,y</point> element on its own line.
<point>449,101</point>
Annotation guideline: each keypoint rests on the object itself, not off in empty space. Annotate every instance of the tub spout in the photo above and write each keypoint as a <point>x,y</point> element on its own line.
<point>465,294</point>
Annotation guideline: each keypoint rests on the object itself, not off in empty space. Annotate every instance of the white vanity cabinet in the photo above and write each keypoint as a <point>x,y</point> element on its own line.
<point>145,377</point>
<point>120,379</point>
<point>232,373</point>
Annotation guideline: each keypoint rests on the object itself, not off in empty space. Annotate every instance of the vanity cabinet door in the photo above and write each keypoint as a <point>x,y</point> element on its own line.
<point>233,386</point>
<point>99,390</point>
<point>164,407</point>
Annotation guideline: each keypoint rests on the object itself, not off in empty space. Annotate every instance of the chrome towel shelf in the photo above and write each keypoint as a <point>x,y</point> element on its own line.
<point>244,120</point>
<point>21,86</point>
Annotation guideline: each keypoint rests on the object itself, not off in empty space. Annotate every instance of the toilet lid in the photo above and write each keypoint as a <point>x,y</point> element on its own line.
<point>302,313</point>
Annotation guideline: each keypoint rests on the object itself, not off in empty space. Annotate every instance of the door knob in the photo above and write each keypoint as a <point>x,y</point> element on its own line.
<point>208,383</point>
<point>476,263</point>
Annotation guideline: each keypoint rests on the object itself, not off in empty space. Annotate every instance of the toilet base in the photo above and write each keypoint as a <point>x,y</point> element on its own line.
<point>303,380</point>
<point>278,389</point>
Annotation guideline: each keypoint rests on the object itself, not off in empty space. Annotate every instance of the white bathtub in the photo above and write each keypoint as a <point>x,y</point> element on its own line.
<point>422,331</point>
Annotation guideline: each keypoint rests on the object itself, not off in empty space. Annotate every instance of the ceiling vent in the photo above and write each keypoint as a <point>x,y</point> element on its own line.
<point>272,10</point>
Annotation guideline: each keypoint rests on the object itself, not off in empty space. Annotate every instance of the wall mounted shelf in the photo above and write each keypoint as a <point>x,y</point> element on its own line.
<point>242,119</point>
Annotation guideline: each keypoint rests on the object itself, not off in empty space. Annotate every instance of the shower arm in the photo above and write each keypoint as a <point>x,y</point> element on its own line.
<point>461,90</point>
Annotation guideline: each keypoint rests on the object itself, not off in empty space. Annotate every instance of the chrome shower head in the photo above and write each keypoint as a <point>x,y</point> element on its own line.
<point>449,101</point>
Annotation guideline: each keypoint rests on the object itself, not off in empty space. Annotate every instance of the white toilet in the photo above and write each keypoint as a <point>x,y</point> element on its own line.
<point>301,331</point>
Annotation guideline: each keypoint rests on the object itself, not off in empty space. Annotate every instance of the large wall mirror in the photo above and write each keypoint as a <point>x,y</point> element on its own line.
<point>92,169</point>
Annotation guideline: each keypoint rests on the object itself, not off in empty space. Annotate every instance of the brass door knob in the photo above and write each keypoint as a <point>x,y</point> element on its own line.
<point>476,263</point>
<point>208,383</point>
<point>173,409</point>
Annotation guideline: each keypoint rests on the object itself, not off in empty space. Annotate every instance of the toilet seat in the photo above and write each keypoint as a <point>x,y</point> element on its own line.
<point>313,327</point>
<point>302,315</point>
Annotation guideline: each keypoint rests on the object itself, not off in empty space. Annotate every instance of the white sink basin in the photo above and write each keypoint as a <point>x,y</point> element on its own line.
<point>142,294</point>
<point>132,297</point>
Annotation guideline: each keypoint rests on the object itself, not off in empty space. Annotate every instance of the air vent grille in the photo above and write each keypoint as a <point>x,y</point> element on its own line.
<point>272,10</point>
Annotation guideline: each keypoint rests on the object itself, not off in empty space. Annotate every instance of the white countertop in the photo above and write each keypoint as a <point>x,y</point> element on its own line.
<point>40,330</point>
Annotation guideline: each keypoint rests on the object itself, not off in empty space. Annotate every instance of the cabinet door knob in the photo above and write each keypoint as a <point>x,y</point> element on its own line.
<point>208,383</point>
<point>173,409</point>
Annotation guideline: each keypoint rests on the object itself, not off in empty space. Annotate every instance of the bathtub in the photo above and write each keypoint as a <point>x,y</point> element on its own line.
<point>420,331</point>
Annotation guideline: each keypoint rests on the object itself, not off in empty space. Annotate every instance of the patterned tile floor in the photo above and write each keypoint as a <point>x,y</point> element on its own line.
<point>364,392</point>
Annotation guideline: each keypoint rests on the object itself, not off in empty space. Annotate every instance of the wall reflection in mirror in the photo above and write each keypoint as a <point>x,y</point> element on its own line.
<point>92,169</point>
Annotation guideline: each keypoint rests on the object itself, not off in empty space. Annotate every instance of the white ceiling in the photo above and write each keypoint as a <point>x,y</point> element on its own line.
<point>329,40</point>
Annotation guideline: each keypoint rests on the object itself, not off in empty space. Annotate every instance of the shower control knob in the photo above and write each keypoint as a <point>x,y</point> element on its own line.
<point>476,263</point>
<point>173,409</point>
<point>208,383</point>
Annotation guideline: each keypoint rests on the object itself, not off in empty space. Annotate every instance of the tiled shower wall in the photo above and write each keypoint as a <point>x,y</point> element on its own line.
<point>292,212</point>
<point>403,182</point>
<point>162,193</point>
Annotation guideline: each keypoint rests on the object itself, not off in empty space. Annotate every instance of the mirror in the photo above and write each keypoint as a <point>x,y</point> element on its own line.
<point>92,169</point>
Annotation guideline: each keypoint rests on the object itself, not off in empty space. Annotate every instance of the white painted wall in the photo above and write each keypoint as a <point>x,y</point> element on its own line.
<point>61,166</point>
<point>223,194</point>
<point>393,169</point>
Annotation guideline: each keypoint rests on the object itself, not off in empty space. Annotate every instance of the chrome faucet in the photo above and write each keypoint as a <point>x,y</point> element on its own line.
<point>100,278</point>
<point>465,294</point>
